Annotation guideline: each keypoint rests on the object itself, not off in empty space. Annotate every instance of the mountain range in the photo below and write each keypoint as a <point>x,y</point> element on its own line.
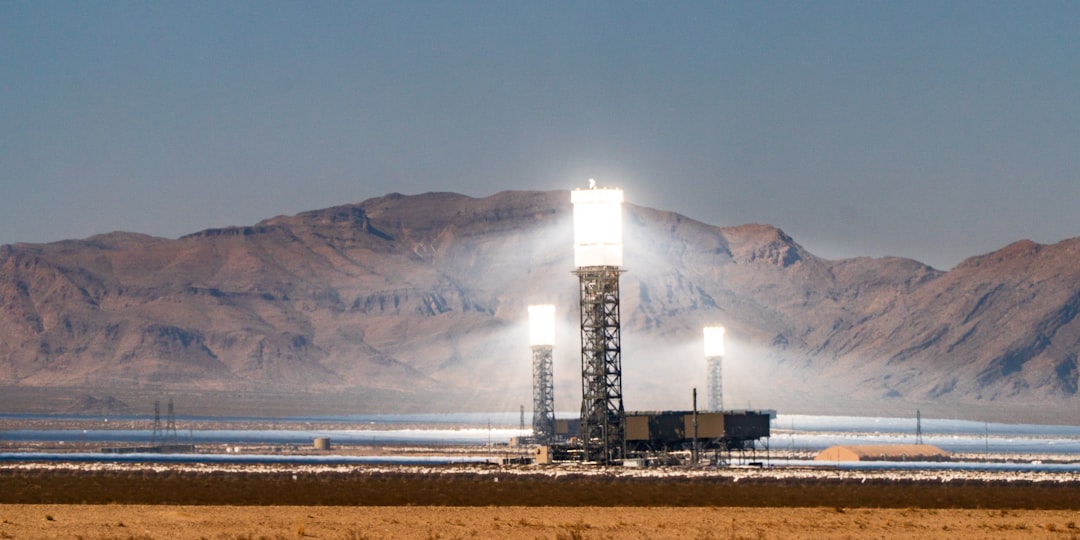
<point>421,300</point>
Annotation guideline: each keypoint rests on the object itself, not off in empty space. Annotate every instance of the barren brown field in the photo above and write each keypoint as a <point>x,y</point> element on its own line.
<point>515,522</point>
<point>137,502</point>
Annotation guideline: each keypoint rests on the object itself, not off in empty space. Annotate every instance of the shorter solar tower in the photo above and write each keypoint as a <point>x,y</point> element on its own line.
<point>714,357</point>
<point>541,340</point>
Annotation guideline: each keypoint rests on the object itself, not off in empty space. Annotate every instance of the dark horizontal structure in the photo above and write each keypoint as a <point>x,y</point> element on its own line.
<point>674,430</point>
<point>156,449</point>
<point>666,431</point>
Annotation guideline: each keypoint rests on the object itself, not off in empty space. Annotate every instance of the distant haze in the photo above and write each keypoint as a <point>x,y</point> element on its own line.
<point>925,129</point>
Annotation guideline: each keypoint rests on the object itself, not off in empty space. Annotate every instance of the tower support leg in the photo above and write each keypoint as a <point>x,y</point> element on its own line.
<point>716,383</point>
<point>603,419</point>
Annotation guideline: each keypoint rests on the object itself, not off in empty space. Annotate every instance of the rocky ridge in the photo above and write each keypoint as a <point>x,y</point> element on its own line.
<point>427,294</point>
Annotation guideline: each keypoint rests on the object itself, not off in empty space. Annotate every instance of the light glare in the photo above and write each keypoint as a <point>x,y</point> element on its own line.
<point>714,341</point>
<point>541,325</point>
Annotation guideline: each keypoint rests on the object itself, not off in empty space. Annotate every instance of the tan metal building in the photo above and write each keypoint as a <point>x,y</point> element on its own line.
<point>883,452</point>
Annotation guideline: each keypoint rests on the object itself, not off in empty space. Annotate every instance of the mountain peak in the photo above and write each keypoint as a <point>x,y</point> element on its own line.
<point>407,292</point>
<point>757,242</point>
<point>1016,251</point>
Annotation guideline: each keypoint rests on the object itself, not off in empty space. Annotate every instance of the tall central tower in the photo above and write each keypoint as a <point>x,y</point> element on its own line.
<point>598,258</point>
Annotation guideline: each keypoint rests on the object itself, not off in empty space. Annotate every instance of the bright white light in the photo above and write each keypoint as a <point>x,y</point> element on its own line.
<point>597,227</point>
<point>541,325</point>
<point>714,341</point>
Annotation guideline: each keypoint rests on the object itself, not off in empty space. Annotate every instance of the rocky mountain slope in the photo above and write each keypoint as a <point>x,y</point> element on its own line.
<point>427,295</point>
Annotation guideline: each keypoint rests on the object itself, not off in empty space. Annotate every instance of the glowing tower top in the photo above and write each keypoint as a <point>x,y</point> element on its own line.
<point>541,325</point>
<point>597,226</point>
<point>714,341</point>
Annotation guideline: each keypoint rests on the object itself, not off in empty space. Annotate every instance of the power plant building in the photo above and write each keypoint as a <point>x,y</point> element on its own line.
<point>675,430</point>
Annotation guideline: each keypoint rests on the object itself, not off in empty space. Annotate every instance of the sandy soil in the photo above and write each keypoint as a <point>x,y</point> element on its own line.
<point>331,522</point>
<point>98,501</point>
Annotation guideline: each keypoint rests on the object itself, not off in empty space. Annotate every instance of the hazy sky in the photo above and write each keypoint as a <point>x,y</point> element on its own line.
<point>934,130</point>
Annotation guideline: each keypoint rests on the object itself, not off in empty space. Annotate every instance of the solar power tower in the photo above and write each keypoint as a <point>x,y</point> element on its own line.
<point>598,257</point>
<point>542,340</point>
<point>714,358</point>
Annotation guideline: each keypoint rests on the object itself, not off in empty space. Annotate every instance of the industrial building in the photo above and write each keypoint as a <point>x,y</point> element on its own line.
<point>679,430</point>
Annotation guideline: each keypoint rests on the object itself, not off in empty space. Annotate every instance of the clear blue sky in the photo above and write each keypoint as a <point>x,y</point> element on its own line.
<point>934,130</point>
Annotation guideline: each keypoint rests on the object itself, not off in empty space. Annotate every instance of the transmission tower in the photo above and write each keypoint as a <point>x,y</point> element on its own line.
<point>918,427</point>
<point>170,424</point>
<point>156,435</point>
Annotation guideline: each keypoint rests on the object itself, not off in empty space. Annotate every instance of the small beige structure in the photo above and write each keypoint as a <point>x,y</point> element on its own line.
<point>543,455</point>
<point>883,452</point>
<point>322,443</point>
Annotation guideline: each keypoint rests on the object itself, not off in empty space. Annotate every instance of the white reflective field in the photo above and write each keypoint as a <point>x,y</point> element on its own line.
<point>1006,446</point>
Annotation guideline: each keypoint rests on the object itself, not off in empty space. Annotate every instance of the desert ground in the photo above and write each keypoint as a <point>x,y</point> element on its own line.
<point>125,501</point>
<point>196,502</point>
<point>95,521</point>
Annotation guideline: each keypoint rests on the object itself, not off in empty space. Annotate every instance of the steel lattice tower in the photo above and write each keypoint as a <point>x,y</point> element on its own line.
<point>603,418</point>
<point>541,340</point>
<point>598,258</point>
<point>543,422</point>
<point>170,424</point>
<point>158,433</point>
<point>716,383</point>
